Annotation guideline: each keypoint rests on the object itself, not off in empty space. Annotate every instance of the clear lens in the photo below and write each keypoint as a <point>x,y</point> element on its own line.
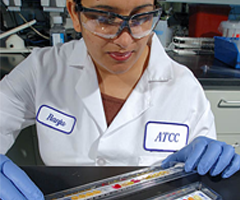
<point>109,26</point>
<point>143,25</point>
<point>100,23</point>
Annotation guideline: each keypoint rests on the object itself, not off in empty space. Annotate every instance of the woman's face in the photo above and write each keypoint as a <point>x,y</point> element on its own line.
<point>120,54</point>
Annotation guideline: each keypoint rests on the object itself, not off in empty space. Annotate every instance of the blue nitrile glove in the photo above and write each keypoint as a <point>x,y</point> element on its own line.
<point>207,155</point>
<point>15,184</point>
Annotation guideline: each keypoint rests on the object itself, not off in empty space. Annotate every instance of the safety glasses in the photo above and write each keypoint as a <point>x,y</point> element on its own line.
<point>109,24</point>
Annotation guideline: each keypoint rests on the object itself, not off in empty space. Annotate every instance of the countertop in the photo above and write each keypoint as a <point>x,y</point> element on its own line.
<point>54,179</point>
<point>211,73</point>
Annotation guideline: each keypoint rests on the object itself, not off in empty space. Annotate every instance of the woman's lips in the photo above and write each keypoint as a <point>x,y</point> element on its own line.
<point>120,56</point>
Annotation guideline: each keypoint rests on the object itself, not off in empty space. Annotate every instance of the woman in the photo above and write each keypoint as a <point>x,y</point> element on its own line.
<point>112,98</point>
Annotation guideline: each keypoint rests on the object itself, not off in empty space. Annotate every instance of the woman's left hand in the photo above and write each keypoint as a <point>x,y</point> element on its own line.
<point>207,155</point>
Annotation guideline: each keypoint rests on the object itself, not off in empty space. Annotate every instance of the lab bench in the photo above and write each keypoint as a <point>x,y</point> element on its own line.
<point>210,72</point>
<point>55,179</point>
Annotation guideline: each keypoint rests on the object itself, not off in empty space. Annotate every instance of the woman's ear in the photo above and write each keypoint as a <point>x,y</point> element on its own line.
<point>74,15</point>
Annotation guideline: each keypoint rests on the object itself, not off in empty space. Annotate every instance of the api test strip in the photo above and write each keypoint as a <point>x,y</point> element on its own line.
<point>121,184</point>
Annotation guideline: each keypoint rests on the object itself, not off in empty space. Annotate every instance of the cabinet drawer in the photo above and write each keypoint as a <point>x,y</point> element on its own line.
<point>226,109</point>
<point>232,139</point>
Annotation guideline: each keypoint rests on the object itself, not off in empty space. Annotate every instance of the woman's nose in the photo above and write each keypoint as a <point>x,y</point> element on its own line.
<point>124,39</point>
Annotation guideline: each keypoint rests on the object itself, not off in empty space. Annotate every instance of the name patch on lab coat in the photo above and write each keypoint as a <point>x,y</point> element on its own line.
<point>163,136</point>
<point>56,119</point>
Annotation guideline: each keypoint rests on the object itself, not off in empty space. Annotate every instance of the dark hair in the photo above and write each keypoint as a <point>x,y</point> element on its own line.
<point>79,1</point>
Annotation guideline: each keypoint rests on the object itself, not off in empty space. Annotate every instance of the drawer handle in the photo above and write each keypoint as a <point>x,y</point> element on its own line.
<point>235,145</point>
<point>228,104</point>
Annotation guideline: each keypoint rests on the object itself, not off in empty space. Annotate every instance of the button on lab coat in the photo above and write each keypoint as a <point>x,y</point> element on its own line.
<point>63,80</point>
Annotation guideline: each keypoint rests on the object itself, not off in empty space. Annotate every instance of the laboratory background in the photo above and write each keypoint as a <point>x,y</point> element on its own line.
<point>204,35</point>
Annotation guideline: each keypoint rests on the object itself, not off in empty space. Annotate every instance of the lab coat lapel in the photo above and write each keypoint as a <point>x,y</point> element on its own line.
<point>158,70</point>
<point>87,86</point>
<point>137,103</point>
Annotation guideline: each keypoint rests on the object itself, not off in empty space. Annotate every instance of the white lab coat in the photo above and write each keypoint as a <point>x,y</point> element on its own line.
<point>62,80</point>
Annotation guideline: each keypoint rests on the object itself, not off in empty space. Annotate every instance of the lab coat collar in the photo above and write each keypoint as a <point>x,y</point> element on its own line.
<point>160,65</point>
<point>79,56</point>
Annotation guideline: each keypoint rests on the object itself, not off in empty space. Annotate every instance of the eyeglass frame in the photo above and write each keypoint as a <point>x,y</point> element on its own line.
<point>80,8</point>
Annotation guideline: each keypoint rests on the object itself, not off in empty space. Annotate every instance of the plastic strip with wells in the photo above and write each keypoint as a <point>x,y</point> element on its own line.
<point>121,185</point>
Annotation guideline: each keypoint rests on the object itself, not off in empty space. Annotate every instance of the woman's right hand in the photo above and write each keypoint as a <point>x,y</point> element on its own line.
<point>15,184</point>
